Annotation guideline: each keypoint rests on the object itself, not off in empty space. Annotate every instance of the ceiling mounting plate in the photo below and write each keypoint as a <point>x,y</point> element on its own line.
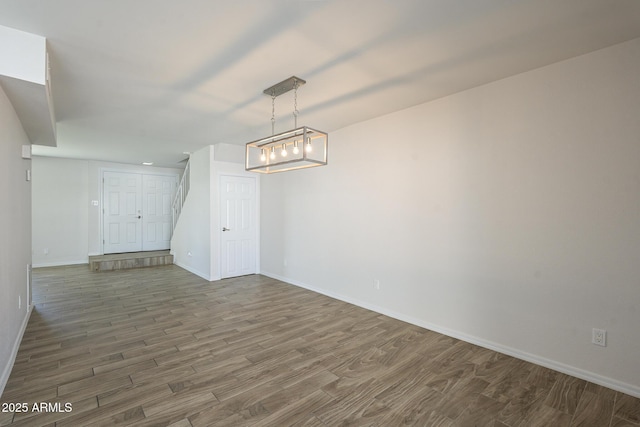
<point>284,86</point>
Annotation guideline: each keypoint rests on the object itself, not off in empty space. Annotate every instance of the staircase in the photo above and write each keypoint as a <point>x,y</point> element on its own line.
<point>181,194</point>
<point>129,260</point>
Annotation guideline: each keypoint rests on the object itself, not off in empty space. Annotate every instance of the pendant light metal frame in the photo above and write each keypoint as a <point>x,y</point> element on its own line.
<point>298,148</point>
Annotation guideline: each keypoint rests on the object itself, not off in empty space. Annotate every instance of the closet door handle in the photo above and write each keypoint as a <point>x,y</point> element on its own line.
<point>226,229</point>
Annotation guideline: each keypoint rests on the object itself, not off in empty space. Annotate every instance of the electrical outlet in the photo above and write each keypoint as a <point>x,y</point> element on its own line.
<point>376,284</point>
<point>19,302</point>
<point>599,337</point>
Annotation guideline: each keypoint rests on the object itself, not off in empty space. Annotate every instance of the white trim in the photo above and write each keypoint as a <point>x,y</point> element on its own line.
<point>60,263</point>
<point>611,383</point>
<point>194,271</point>
<point>6,372</point>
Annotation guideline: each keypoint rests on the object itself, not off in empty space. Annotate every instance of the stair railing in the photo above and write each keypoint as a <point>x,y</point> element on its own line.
<point>181,194</point>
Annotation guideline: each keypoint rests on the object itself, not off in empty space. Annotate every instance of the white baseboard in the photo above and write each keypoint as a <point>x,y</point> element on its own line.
<point>6,372</point>
<point>60,263</point>
<point>611,383</point>
<point>194,271</point>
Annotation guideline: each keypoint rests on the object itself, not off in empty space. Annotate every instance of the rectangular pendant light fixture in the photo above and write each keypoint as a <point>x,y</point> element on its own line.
<point>294,149</point>
<point>299,148</point>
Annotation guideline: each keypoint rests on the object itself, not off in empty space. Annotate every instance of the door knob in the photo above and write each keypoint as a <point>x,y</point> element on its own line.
<point>139,216</point>
<point>226,229</point>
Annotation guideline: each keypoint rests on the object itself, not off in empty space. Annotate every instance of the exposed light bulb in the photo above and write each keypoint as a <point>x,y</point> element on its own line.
<point>273,153</point>
<point>296,150</point>
<point>263,155</point>
<point>307,147</point>
<point>284,150</point>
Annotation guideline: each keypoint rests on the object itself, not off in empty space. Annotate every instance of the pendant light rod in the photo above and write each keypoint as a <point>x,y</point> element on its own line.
<point>284,86</point>
<point>298,148</point>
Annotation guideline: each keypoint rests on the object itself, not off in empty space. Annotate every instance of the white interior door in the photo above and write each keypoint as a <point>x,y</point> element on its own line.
<point>238,217</point>
<point>157,193</point>
<point>122,204</point>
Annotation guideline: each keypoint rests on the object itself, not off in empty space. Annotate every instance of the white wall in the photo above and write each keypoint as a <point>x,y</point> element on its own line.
<point>191,240</point>
<point>507,215</point>
<point>66,223</point>
<point>60,194</point>
<point>22,55</point>
<point>15,236</point>
<point>196,239</point>
<point>229,153</point>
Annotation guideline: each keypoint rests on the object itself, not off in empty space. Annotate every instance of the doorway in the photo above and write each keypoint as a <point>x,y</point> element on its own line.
<point>239,222</point>
<point>136,211</point>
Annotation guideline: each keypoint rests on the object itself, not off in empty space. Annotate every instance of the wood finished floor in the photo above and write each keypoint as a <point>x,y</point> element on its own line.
<point>160,346</point>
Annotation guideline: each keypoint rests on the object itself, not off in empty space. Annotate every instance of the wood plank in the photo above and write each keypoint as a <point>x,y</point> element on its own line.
<point>160,346</point>
<point>627,408</point>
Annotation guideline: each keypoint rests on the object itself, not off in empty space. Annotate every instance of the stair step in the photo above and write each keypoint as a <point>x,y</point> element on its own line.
<point>129,260</point>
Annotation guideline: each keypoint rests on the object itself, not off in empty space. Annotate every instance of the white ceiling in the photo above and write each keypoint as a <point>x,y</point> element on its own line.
<point>147,80</point>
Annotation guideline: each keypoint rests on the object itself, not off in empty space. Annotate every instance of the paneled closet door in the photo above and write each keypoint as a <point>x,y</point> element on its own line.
<point>122,212</point>
<point>157,195</point>
<point>238,217</point>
